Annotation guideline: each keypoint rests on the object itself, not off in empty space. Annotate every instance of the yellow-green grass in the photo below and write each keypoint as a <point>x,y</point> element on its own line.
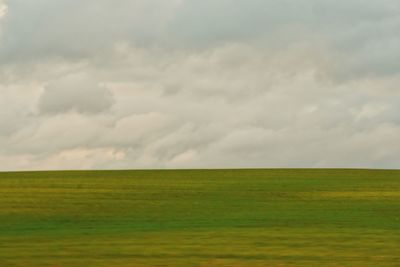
<point>200,218</point>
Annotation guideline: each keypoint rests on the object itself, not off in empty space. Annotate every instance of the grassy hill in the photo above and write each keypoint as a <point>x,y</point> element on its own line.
<point>200,218</point>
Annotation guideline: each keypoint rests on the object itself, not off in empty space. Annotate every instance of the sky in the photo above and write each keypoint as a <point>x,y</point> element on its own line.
<point>139,84</point>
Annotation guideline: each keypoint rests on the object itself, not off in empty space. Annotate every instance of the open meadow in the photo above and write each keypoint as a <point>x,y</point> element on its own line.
<point>241,218</point>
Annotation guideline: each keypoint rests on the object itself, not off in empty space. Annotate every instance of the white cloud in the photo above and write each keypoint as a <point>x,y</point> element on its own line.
<point>3,9</point>
<point>268,84</point>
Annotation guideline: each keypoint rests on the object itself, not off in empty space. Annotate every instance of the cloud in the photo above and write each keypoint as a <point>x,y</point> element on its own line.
<point>153,84</point>
<point>72,29</point>
<point>3,9</point>
<point>75,93</point>
<point>363,34</point>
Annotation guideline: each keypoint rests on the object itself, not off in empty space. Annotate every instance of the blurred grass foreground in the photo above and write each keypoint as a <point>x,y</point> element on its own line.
<point>277,217</point>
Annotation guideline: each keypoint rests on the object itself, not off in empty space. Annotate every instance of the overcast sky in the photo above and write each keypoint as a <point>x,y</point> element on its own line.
<point>105,84</point>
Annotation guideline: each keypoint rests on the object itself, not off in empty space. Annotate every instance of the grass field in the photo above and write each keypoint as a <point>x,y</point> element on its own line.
<point>200,218</point>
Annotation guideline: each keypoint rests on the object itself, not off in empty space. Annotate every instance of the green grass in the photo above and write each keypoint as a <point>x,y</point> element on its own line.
<point>200,218</point>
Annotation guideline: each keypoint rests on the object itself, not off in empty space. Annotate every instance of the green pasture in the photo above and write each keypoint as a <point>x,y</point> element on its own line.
<point>200,218</point>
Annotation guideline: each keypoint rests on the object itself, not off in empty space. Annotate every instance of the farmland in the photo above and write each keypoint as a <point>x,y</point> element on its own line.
<point>276,217</point>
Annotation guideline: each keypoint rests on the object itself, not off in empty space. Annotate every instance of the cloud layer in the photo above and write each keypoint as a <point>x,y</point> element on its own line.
<point>199,84</point>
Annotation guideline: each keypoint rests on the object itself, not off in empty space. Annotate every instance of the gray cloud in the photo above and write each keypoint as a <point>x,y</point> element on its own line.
<point>74,29</point>
<point>176,84</point>
<point>363,34</point>
<point>75,93</point>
